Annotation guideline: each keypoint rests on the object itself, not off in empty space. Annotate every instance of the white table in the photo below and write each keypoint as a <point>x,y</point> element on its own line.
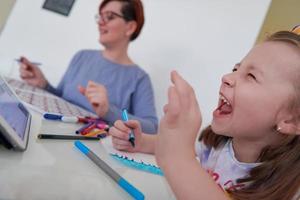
<point>55,169</point>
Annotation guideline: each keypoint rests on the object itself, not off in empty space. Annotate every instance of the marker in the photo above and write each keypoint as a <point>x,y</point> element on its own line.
<point>131,135</point>
<point>84,127</point>
<point>66,137</point>
<point>52,116</point>
<point>134,192</point>
<point>97,132</point>
<point>102,126</point>
<point>67,119</point>
<point>34,63</point>
<point>88,129</point>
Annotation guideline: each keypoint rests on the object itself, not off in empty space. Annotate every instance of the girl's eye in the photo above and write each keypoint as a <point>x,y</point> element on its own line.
<point>234,69</point>
<point>251,76</point>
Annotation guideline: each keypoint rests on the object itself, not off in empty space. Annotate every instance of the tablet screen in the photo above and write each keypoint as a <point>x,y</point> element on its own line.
<point>12,110</point>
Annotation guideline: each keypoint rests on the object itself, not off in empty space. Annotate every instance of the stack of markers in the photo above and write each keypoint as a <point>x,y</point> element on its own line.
<point>92,126</point>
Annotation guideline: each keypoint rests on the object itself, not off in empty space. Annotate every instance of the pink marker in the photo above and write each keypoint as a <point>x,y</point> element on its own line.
<point>102,126</point>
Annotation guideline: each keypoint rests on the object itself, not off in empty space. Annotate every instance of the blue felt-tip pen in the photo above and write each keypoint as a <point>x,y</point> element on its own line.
<point>134,192</point>
<point>69,119</point>
<point>131,134</point>
<point>52,116</point>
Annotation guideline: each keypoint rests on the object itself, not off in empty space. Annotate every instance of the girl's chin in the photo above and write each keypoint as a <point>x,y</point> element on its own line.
<point>220,130</point>
<point>217,128</point>
<point>220,122</point>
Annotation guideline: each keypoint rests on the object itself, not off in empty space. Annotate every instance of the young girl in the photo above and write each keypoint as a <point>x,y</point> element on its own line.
<point>252,148</point>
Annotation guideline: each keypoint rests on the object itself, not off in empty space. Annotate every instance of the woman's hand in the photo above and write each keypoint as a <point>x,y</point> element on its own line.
<point>120,135</point>
<point>180,124</point>
<point>97,96</point>
<point>32,74</point>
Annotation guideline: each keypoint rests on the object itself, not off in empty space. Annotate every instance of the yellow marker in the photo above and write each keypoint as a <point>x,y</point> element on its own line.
<point>96,132</point>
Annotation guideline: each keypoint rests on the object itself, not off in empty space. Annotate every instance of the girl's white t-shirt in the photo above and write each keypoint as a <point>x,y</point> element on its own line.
<point>223,166</point>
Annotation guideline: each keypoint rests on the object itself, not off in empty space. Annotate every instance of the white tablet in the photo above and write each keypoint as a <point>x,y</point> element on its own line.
<point>14,119</point>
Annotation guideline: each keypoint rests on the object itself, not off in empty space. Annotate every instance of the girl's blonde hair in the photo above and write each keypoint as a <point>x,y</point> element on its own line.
<point>278,177</point>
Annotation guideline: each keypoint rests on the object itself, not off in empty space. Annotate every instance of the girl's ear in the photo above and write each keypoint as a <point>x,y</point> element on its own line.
<point>131,27</point>
<point>290,127</point>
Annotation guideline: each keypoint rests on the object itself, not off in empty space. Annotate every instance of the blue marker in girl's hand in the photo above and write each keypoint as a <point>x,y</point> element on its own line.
<point>131,135</point>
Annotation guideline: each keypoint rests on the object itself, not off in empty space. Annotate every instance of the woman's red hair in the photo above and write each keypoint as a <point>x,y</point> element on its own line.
<point>132,10</point>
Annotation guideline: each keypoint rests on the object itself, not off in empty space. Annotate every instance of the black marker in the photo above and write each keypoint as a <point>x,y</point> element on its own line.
<point>67,137</point>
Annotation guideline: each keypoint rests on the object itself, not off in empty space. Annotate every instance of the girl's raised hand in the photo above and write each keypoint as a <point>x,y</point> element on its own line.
<point>180,124</point>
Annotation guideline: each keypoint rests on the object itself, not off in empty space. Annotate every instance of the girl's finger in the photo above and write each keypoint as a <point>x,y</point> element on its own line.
<point>173,105</point>
<point>121,126</point>
<point>120,142</point>
<point>118,133</point>
<point>122,147</point>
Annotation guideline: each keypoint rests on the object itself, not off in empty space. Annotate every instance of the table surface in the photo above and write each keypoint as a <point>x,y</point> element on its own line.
<point>56,169</point>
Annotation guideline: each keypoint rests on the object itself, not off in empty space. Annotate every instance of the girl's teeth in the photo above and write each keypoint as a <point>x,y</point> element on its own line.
<point>223,99</point>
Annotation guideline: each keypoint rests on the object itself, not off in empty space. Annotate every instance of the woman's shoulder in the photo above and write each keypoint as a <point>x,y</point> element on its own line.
<point>132,70</point>
<point>139,70</point>
<point>83,56</point>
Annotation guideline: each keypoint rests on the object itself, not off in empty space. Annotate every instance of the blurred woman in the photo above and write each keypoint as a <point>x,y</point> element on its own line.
<point>106,81</point>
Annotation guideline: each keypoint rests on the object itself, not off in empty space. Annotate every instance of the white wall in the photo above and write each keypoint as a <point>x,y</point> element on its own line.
<point>202,39</point>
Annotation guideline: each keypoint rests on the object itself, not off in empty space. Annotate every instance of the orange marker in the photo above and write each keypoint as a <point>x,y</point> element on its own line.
<point>96,132</point>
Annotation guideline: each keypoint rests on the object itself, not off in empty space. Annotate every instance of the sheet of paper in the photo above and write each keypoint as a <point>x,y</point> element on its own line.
<point>138,157</point>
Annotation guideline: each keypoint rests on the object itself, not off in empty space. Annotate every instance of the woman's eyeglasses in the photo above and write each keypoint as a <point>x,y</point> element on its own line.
<point>107,16</point>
